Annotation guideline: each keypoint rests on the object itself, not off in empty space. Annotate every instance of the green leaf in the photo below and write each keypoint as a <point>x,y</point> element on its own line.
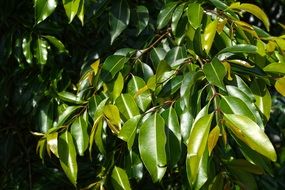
<point>52,143</point>
<point>195,14</point>
<point>79,133</point>
<point>240,164</point>
<point>69,97</point>
<point>41,53</point>
<point>57,43</point>
<point>98,136</point>
<point>66,114</point>
<point>120,179</point>
<point>176,56</point>
<point>197,143</point>
<point>111,66</point>
<point>112,115</point>
<point>43,8</point>
<point>215,73</point>
<point>26,46</point>
<point>67,156</point>
<point>129,130</point>
<point>213,138</point>
<point>157,55</point>
<point>253,9</point>
<point>118,86</point>
<point>143,99</point>
<point>119,18</point>
<point>142,17</point>
<point>45,117</point>
<point>262,97</point>
<point>209,35</point>
<point>173,144</point>
<point>240,48</point>
<point>152,140</point>
<point>280,86</point>
<point>71,8</point>
<point>278,68</point>
<point>134,166</point>
<point>171,87</point>
<point>250,133</point>
<point>176,17</point>
<point>230,104</point>
<point>127,106</point>
<point>80,12</point>
<point>165,15</point>
<point>186,122</point>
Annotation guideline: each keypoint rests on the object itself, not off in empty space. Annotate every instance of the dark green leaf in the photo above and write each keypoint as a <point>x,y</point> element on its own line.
<point>58,44</point>
<point>66,114</point>
<point>152,140</point>
<point>127,106</point>
<point>26,46</point>
<point>176,16</point>
<point>41,53</point>
<point>43,8</point>
<point>176,56</point>
<point>215,73</point>
<point>165,15</point>
<point>143,18</point>
<point>111,66</point>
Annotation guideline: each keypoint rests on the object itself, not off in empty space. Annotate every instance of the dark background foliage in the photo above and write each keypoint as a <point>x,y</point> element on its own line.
<point>26,87</point>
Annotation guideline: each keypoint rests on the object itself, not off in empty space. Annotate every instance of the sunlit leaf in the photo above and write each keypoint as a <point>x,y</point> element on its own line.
<point>52,143</point>
<point>112,115</point>
<point>278,68</point>
<point>120,179</point>
<point>43,8</point>
<point>280,86</point>
<point>79,133</point>
<point>209,35</point>
<point>165,15</point>
<point>213,138</point>
<point>195,14</point>
<point>71,8</point>
<point>57,43</point>
<point>127,106</point>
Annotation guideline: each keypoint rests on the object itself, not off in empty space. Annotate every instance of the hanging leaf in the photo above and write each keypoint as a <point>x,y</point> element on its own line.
<point>127,106</point>
<point>129,130</point>
<point>67,156</point>
<point>111,66</point>
<point>197,143</point>
<point>253,9</point>
<point>71,8</point>
<point>44,8</point>
<point>215,73</point>
<point>79,133</point>
<point>56,43</point>
<point>142,18</point>
<point>195,14</point>
<point>52,143</point>
<point>250,133</point>
<point>26,46</point>
<point>80,12</point>
<point>112,115</point>
<point>119,18</point>
<point>280,86</point>
<point>209,35</point>
<point>152,140</point>
<point>120,179</point>
<point>213,138</point>
<point>165,15</point>
<point>41,53</point>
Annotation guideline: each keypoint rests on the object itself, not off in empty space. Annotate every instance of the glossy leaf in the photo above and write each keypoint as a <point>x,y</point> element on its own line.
<point>177,16</point>
<point>195,14</point>
<point>71,8</point>
<point>43,8</point>
<point>56,43</point>
<point>52,143</point>
<point>45,117</point>
<point>129,130</point>
<point>26,46</point>
<point>119,18</point>
<point>80,12</point>
<point>278,68</point>
<point>120,179</point>
<point>240,48</point>
<point>41,53</point>
<point>209,35</point>
<point>112,115</point>
<point>165,15</point>
<point>143,99</point>
<point>79,133</point>
<point>66,114</point>
<point>213,138</point>
<point>111,66</point>
<point>127,106</point>
<point>69,97</point>
<point>253,9</point>
<point>176,56</point>
<point>215,73</point>
<point>67,156</point>
<point>152,140</point>
<point>250,133</point>
<point>143,18</point>
<point>197,144</point>
<point>280,86</point>
<point>118,86</point>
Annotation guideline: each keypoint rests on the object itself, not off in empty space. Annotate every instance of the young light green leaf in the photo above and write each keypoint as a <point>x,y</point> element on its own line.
<point>215,73</point>
<point>71,8</point>
<point>280,86</point>
<point>253,9</point>
<point>209,35</point>
<point>111,66</point>
<point>41,53</point>
<point>152,140</point>
<point>278,68</point>
<point>79,133</point>
<point>250,133</point>
<point>143,99</point>
<point>127,106</point>
<point>67,156</point>
<point>129,130</point>
<point>112,116</point>
<point>195,14</point>
<point>213,138</point>
<point>43,8</point>
<point>26,46</point>
<point>52,143</point>
<point>197,143</point>
<point>142,17</point>
<point>119,18</point>
<point>80,12</point>
<point>165,14</point>
<point>120,179</point>
<point>57,43</point>
<point>118,86</point>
